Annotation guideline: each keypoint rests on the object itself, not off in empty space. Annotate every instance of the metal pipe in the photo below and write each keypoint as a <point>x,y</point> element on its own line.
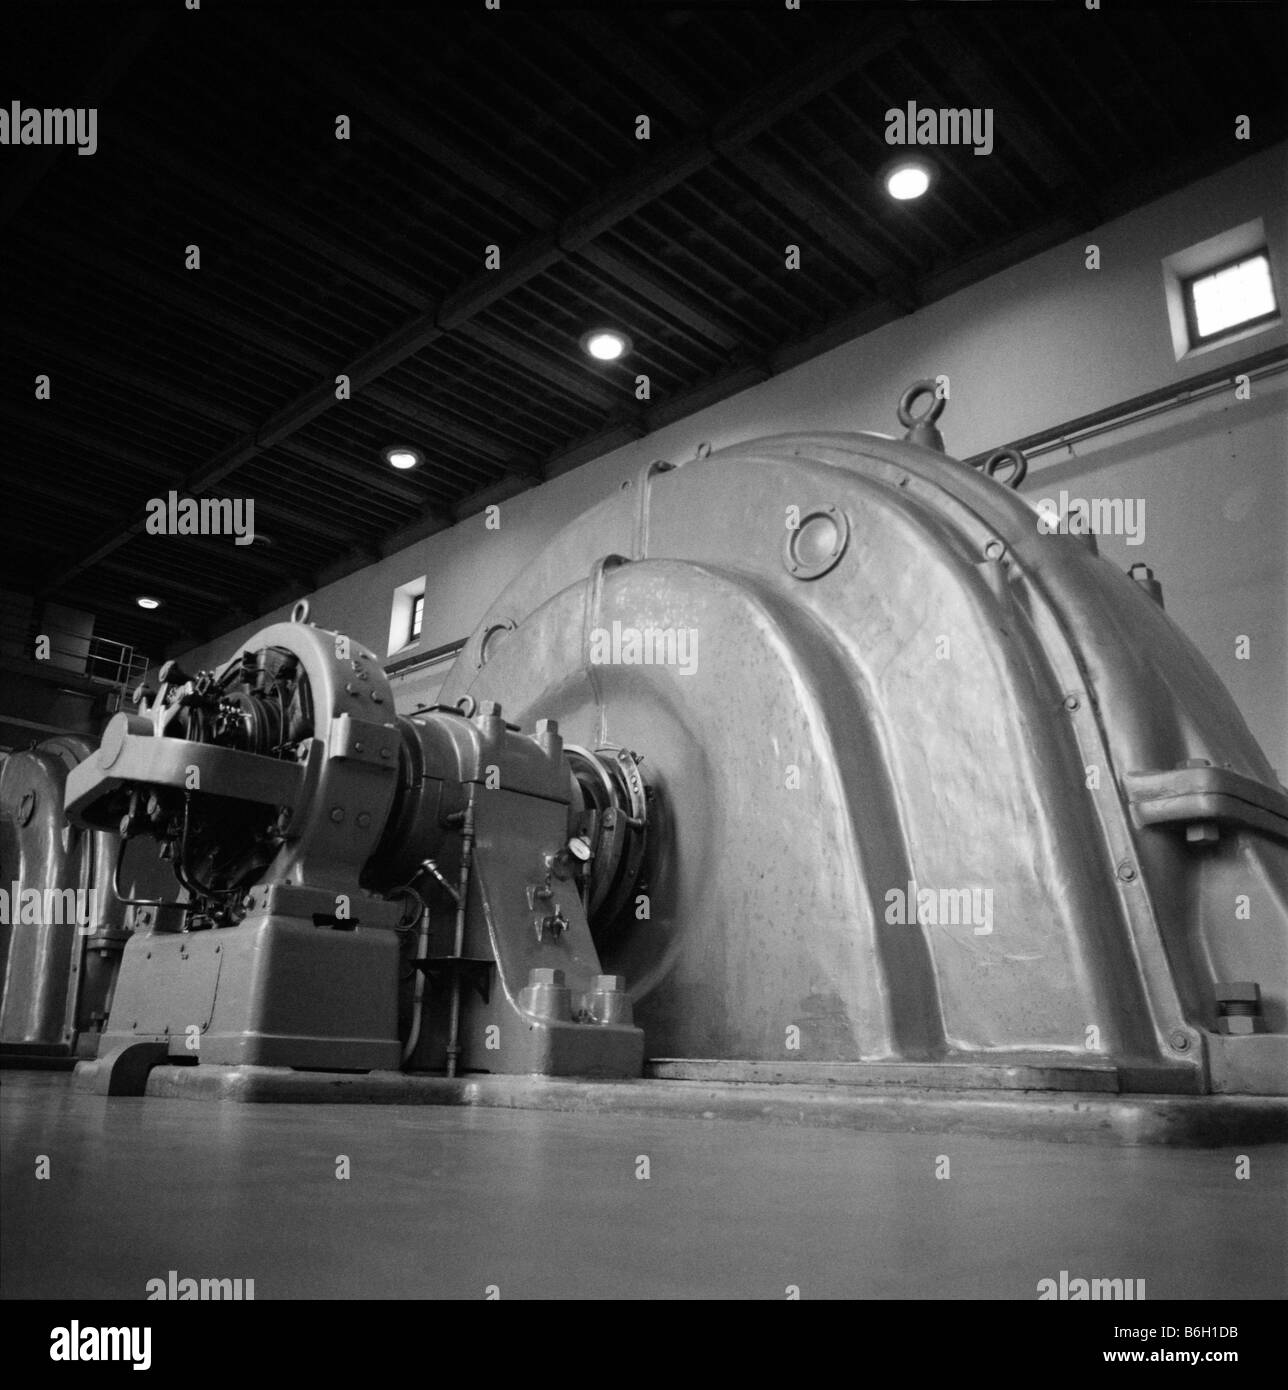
<point>409,664</point>
<point>418,998</point>
<point>88,876</point>
<point>1144,406</point>
<point>422,946</point>
<point>134,902</point>
<point>458,944</point>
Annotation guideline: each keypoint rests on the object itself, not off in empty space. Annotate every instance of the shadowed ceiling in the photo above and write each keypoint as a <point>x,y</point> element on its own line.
<point>365,256</point>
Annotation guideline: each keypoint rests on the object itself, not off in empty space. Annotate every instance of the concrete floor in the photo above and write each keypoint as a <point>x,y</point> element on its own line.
<point>443,1202</point>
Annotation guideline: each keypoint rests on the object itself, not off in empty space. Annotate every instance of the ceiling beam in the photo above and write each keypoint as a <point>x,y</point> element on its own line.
<point>800,206</point>
<point>179,586</point>
<point>165,477</point>
<point>100,366</point>
<point>156,155</point>
<point>169,292</point>
<point>97,604</point>
<point>450,430</point>
<point>816,74</point>
<point>577,384</point>
<point>649,76</point>
<point>253,558</point>
<point>1018,128</point>
<point>373,477</point>
<point>656,297</point>
<point>316,66</point>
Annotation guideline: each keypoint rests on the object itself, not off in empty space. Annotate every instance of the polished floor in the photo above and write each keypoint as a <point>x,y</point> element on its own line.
<point>447,1202</point>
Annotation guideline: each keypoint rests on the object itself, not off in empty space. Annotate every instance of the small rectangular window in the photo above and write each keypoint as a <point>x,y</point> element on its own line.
<point>407,615</point>
<point>1221,291</point>
<point>1229,298</point>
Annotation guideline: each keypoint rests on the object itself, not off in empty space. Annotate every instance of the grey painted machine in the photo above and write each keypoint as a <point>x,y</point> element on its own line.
<point>867,771</point>
<point>338,864</point>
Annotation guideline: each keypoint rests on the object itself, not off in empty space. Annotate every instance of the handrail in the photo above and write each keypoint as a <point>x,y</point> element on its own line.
<point>102,660</point>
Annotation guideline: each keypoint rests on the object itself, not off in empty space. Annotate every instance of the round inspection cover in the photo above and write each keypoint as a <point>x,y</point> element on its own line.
<point>817,544</point>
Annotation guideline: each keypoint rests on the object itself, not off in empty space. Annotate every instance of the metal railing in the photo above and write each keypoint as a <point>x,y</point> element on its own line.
<point>101,660</point>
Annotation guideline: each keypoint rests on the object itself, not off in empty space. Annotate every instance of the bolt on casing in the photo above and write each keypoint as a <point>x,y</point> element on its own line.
<point>608,1002</point>
<point>1238,1006</point>
<point>547,995</point>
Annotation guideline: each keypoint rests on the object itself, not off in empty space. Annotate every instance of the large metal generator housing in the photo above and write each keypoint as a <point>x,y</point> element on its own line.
<point>818,757</point>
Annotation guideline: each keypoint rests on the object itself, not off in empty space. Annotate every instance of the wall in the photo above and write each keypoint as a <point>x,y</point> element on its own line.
<point>1026,350</point>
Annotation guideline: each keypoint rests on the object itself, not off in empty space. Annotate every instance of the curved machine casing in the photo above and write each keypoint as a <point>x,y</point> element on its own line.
<point>64,929</point>
<point>934,786</point>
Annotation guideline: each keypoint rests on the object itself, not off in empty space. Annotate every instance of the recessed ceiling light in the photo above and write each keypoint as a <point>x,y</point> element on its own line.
<point>908,178</point>
<point>144,602</point>
<point>605,344</point>
<point>400,456</point>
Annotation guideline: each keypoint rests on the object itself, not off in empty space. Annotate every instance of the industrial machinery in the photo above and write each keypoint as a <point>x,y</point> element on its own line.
<point>63,930</point>
<point>337,864</point>
<point>870,776</point>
